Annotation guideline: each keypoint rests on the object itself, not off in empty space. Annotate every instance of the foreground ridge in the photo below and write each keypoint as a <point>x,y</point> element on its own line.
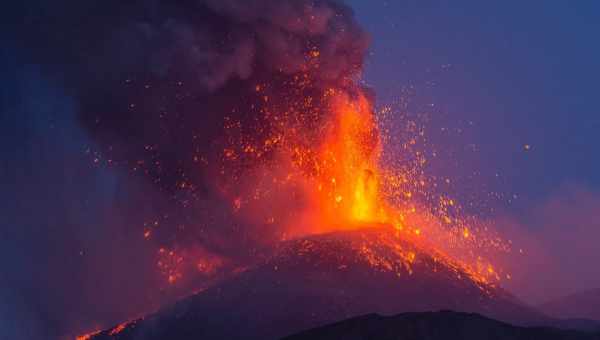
<point>446,325</point>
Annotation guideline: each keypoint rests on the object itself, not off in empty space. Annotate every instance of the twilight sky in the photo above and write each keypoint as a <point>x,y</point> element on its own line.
<point>521,73</point>
<point>493,77</point>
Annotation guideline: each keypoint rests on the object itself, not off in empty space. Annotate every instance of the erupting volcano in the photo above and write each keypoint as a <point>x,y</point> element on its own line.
<point>282,195</point>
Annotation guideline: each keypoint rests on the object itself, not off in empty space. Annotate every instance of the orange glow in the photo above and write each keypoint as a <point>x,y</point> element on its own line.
<point>87,336</point>
<point>348,158</point>
<point>334,171</point>
<point>118,329</point>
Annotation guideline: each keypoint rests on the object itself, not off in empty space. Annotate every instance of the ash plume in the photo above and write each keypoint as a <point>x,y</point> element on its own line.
<point>157,81</point>
<point>153,88</point>
<point>165,87</point>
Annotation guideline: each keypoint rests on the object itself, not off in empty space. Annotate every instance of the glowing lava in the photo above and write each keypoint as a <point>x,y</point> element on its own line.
<point>88,335</point>
<point>329,176</point>
<point>345,169</point>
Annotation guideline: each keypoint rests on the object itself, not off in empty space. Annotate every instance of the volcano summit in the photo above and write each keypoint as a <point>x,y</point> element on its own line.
<point>319,279</point>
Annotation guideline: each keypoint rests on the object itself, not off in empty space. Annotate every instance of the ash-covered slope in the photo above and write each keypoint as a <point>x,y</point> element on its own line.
<point>323,279</point>
<point>444,325</point>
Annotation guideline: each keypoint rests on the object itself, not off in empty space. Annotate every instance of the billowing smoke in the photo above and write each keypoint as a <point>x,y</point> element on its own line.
<point>153,96</point>
<point>167,89</point>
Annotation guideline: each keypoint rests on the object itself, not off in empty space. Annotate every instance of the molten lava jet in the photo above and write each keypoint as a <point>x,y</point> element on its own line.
<point>330,177</point>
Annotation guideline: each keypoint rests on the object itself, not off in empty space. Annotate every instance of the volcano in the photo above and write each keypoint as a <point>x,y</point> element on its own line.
<point>319,279</point>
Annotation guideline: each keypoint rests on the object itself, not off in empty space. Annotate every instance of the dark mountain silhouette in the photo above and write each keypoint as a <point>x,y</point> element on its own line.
<point>322,279</point>
<point>582,305</point>
<point>443,325</point>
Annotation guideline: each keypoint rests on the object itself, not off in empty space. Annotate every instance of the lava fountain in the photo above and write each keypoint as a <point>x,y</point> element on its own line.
<point>328,176</point>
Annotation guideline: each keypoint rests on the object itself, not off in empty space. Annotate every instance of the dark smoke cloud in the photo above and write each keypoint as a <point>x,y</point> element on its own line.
<point>142,88</point>
<point>209,41</point>
<point>159,73</point>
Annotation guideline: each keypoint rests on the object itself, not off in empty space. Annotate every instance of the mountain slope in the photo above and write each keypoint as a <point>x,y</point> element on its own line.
<point>323,279</point>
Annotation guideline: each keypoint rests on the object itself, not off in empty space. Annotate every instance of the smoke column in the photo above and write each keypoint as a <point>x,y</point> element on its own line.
<point>116,119</point>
